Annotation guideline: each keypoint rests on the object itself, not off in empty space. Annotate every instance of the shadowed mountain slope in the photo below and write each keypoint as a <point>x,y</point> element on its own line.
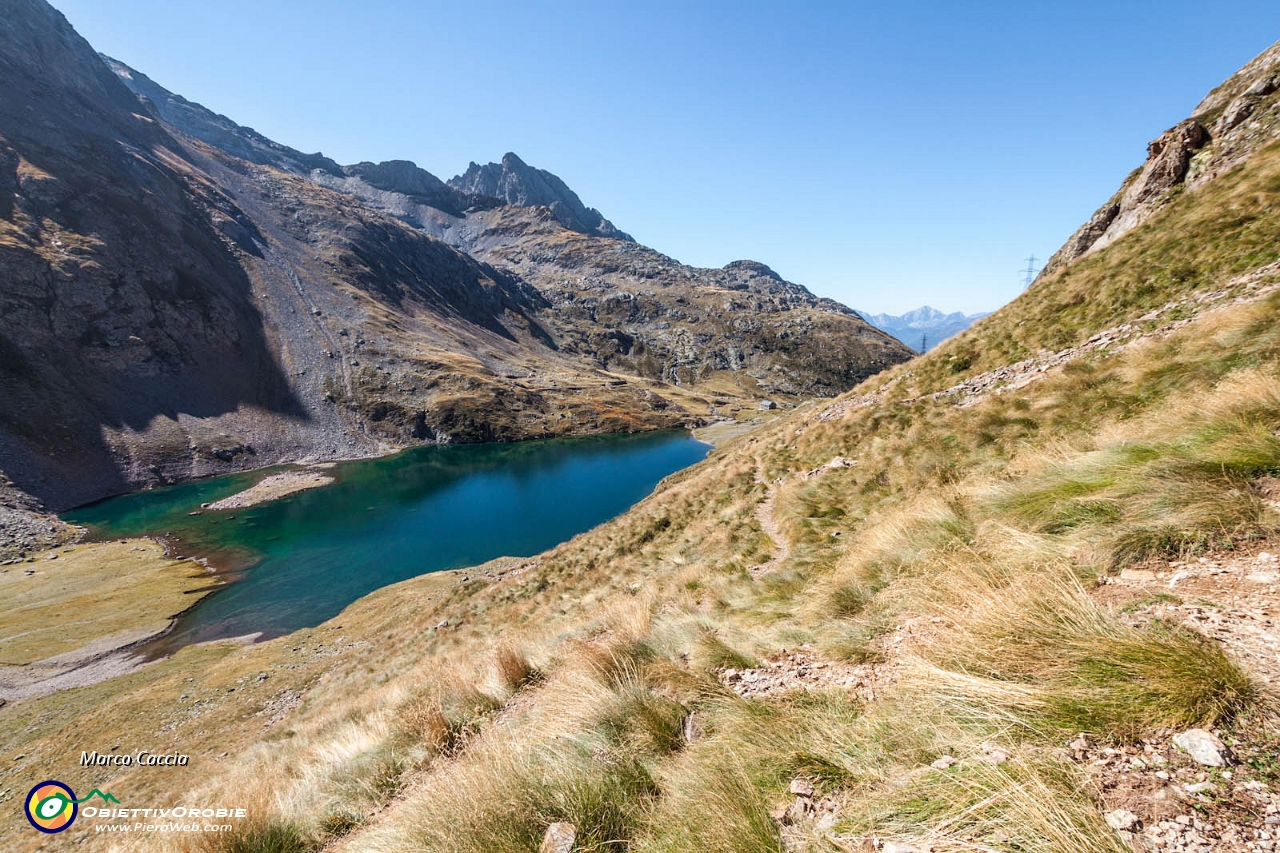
<point>123,306</point>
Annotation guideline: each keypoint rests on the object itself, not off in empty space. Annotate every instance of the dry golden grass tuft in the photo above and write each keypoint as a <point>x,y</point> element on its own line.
<point>512,668</point>
<point>423,721</point>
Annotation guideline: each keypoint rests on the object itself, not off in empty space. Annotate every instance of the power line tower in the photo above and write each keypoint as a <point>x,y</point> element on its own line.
<point>924,342</point>
<point>1029,274</point>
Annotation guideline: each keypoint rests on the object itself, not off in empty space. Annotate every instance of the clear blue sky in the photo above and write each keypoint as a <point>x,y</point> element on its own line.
<point>887,154</point>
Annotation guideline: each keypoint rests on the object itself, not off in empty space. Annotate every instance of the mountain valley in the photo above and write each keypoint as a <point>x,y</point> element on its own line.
<point>1016,593</point>
<point>186,297</point>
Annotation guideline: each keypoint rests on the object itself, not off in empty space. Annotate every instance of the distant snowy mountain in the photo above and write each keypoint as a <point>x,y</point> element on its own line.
<point>923,328</point>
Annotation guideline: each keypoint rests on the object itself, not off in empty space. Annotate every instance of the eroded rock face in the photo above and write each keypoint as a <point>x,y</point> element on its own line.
<point>1233,121</point>
<point>1243,106</point>
<point>1168,158</point>
<point>1168,161</point>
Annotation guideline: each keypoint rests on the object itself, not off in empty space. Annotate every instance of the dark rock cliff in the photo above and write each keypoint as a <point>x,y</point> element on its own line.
<point>122,304</point>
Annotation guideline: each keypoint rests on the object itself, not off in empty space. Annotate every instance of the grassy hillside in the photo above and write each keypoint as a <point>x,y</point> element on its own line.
<point>964,607</point>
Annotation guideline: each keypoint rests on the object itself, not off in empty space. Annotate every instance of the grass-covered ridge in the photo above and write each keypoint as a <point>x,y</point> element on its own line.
<point>1198,242</point>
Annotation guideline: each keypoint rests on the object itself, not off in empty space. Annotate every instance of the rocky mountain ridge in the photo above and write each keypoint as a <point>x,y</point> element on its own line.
<point>515,182</point>
<point>519,219</point>
<point>524,220</point>
<point>1235,120</point>
<point>184,297</point>
<point>215,129</point>
<point>511,181</point>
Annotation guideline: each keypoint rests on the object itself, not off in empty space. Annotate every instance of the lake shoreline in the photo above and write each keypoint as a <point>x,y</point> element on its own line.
<point>298,545</point>
<point>311,461</point>
<point>126,594</point>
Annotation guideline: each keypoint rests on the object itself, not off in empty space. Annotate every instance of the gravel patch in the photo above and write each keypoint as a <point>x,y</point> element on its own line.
<point>273,488</point>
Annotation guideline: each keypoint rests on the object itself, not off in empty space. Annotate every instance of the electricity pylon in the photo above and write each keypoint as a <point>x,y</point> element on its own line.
<point>1029,274</point>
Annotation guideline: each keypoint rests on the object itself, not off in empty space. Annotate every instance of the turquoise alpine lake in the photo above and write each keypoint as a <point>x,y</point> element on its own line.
<point>297,561</point>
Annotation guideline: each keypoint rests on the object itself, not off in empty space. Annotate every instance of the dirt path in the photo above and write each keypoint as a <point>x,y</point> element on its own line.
<point>767,517</point>
<point>1232,598</point>
<point>805,669</point>
<point>767,510</point>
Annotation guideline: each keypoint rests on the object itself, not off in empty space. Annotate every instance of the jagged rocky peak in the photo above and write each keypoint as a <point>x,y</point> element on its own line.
<point>516,182</point>
<point>217,130</point>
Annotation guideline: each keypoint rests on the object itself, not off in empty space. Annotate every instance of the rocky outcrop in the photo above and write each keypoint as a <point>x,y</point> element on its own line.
<point>25,526</point>
<point>1168,161</point>
<point>405,178</point>
<point>515,182</point>
<point>1242,115</point>
<point>1233,121</point>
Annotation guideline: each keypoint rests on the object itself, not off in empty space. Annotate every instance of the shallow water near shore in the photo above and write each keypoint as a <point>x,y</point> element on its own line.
<point>300,560</point>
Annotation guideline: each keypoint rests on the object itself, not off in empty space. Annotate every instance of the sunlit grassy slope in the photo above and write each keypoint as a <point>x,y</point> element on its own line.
<point>949,560</point>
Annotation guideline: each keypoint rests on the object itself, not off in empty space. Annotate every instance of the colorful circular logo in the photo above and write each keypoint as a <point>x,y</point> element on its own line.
<point>51,806</point>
